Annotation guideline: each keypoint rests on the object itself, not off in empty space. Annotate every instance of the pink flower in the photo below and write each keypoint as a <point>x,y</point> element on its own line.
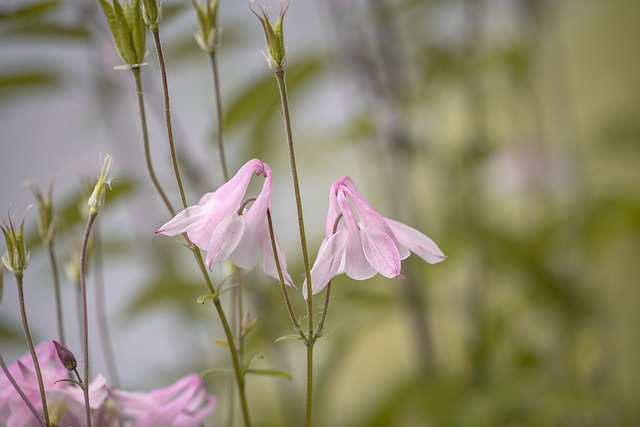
<point>361,243</point>
<point>65,401</point>
<point>182,404</point>
<point>221,225</point>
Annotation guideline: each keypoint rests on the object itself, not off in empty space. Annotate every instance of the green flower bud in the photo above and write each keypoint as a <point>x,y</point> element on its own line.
<point>16,257</point>
<point>96,200</point>
<point>207,37</point>
<point>66,356</point>
<point>151,12</point>
<point>128,30</point>
<point>45,213</point>
<point>273,34</point>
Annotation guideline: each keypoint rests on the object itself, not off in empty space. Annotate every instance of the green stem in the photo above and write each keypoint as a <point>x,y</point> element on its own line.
<point>218,96</point>
<point>145,140</point>
<point>282,87</point>
<point>56,290</point>
<point>32,350</point>
<point>155,30</point>
<point>283,285</point>
<point>101,312</point>
<point>21,393</point>
<point>85,328</point>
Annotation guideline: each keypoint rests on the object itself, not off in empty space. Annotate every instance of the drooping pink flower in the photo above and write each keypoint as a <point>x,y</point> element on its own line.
<point>360,242</point>
<point>65,401</point>
<point>223,226</point>
<point>185,403</point>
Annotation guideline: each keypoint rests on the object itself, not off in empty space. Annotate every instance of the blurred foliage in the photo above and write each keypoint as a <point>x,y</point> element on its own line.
<point>498,129</point>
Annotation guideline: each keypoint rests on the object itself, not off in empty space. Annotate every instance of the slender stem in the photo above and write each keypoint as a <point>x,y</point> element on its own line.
<point>32,350</point>
<point>235,360</point>
<point>225,324</point>
<point>282,87</point>
<point>145,140</point>
<point>101,312</point>
<point>56,290</point>
<point>285,293</point>
<point>21,393</point>
<point>155,30</point>
<point>218,96</point>
<point>325,309</point>
<point>85,328</point>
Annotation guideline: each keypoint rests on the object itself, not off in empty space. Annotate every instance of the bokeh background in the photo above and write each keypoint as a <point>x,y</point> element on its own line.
<point>506,130</point>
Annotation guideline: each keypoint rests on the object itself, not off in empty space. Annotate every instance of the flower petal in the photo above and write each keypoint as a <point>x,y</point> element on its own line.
<point>327,263</point>
<point>416,242</point>
<point>225,238</point>
<point>381,252</point>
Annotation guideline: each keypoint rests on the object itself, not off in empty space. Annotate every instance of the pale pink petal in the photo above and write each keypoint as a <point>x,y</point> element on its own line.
<point>416,242</point>
<point>356,264</point>
<point>328,262</point>
<point>381,252</point>
<point>183,221</point>
<point>225,238</point>
<point>269,261</point>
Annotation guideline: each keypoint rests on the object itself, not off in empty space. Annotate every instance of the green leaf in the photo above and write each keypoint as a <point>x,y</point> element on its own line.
<point>271,372</point>
<point>47,29</point>
<point>288,337</point>
<point>31,77</point>
<point>204,298</point>
<point>215,371</point>
<point>222,343</point>
<point>31,10</point>
<point>250,361</point>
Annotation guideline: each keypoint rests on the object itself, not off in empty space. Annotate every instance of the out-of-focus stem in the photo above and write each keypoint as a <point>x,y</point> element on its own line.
<point>21,393</point>
<point>32,350</point>
<point>56,290</point>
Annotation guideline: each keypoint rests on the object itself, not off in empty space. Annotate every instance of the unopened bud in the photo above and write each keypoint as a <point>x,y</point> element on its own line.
<point>96,201</point>
<point>207,37</point>
<point>66,356</point>
<point>16,257</point>
<point>151,12</point>
<point>273,34</point>
<point>45,213</point>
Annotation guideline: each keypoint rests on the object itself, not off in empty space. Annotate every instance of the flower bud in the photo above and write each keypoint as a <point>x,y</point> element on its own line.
<point>66,356</point>
<point>45,213</point>
<point>16,257</point>
<point>96,200</point>
<point>273,34</point>
<point>207,37</point>
<point>151,12</point>
<point>128,30</point>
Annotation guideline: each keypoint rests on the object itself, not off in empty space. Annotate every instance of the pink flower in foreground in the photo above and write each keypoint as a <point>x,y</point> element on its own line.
<point>221,225</point>
<point>65,401</point>
<point>361,243</point>
<point>182,404</point>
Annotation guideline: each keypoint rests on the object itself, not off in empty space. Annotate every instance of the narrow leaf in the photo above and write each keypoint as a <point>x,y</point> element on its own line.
<point>271,372</point>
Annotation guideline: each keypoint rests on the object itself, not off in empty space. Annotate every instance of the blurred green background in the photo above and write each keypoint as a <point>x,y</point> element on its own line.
<point>506,130</point>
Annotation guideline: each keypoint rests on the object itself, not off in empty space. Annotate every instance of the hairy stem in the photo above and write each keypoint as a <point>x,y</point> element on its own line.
<point>21,393</point>
<point>145,140</point>
<point>32,350</point>
<point>85,326</point>
<point>282,87</point>
<point>167,112</point>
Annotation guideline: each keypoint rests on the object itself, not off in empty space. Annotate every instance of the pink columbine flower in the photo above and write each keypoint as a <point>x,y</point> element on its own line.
<point>223,226</point>
<point>360,242</point>
<point>65,401</point>
<point>182,404</point>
